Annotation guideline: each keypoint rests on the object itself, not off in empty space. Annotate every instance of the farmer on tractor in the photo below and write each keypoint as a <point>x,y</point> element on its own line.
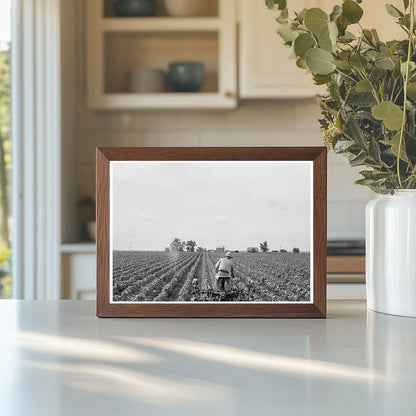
<point>224,272</point>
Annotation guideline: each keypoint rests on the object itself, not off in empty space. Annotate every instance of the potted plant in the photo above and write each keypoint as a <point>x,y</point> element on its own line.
<point>368,116</point>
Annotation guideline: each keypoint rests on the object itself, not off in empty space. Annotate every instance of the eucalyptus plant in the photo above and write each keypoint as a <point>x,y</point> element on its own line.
<point>369,112</point>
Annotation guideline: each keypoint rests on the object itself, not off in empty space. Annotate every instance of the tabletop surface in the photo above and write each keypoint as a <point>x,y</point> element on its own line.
<point>57,358</point>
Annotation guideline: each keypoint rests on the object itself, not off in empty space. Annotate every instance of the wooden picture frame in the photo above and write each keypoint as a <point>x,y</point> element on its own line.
<point>315,307</point>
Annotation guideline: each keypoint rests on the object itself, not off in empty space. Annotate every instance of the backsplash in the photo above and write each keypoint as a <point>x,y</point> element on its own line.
<point>288,123</point>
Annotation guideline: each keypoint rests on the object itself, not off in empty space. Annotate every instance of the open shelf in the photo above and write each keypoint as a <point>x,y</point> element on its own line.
<point>127,51</point>
<point>119,45</point>
<point>167,100</point>
<point>81,247</point>
<point>160,24</point>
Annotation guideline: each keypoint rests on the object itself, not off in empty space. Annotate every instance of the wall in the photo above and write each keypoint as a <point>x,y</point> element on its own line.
<point>254,123</point>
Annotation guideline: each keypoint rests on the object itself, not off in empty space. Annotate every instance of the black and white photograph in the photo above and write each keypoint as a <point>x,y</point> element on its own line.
<point>212,231</point>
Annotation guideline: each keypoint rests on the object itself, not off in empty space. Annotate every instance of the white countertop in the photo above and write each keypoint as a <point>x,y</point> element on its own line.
<point>57,358</point>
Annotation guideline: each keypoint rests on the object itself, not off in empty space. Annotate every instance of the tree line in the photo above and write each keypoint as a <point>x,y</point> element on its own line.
<point>177,245</point>
<point>264,248</point>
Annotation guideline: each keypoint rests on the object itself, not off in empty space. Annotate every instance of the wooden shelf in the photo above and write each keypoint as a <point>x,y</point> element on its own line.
<point>346,264</point>
<point>117,45</point>
<point>160,24</point>
<point>87,247</point>
<point>198,100</point>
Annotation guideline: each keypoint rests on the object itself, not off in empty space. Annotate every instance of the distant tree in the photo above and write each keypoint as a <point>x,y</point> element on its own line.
<point>167,249</point>
<point>282,250</point>
<point>177,245</point>
<point>5,164</point>
<point>264,247</point>
<point>190,246</point>
<point>201,249</point>
<point>252,249</point>
<point>296,250</point>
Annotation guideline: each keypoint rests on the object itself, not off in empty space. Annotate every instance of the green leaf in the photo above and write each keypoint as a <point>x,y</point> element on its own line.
<point>363,86</point>
<point>301,63</point>
<point>345,65</point>
<point>287,33</point>
<point>411,90</point>
<point>351,11</point>
<point>388,112</point>
<point>342,25</point>
<point>358,61</point>
<point>276,4</point>
<point>406,4</point>
<point>336,12</point>
<point>374,150</point>
<point>303,43</point>
<point>394,145</point>
<point>333,32</point>
<point>347,37</point>
<point>301,15</point>
<point>316,20</point>
<point>353,131</point>
<point>368,36</point>
<point>343,145</point>
<point>358,160</point>
<point>412,67</point>
<point>320,61</point>
<point>384,62</point>
<point>393,11</point>
<point>325,42</point>
<point>365,182</point>
<point>374,174</point>
<point>321,79</point>
<point>375,35</point>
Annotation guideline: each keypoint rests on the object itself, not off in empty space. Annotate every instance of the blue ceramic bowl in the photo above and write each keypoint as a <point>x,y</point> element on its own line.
<point>186,76</point>
<point>135,8</point>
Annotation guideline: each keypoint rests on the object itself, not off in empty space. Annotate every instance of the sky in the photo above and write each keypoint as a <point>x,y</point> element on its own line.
<point>231,204</point>
<point>4,21</point>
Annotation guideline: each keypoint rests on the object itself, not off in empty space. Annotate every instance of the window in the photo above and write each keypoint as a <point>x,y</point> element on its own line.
<point>5,147</point>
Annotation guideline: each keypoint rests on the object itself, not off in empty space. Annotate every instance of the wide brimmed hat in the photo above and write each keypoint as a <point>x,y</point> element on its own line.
<point>228,254</point>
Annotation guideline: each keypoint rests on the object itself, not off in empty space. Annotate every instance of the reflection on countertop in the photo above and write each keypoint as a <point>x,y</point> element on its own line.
<point>355,362</point>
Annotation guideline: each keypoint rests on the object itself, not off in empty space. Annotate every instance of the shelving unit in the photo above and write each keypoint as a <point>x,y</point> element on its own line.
<point>116,45</point>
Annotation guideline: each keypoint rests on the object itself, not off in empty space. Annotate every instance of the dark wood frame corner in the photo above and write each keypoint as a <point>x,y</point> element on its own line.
<point>317,309</point>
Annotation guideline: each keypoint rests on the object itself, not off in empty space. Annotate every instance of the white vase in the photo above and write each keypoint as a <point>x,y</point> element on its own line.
<point>391,253</point>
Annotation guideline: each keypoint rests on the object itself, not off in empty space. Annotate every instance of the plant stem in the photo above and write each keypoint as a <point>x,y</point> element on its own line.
<point>346,75</point>
<point>406,80</point>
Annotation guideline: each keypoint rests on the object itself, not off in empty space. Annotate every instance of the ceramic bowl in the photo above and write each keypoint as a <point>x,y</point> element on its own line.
<point>135,8</point>
<point>186,76</point>
<point>147,80</point>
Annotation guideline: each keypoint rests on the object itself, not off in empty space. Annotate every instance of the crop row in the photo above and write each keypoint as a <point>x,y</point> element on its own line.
<point>141,288</point>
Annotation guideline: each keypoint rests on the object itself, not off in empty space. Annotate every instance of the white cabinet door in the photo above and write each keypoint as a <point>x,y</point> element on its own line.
<point>78,276</point>
<point>265,68</point>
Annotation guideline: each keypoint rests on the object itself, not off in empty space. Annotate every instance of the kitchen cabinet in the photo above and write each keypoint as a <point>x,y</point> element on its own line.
<point>78,263</point>
<point>118,45</point>
<point>346,277</point>
<point>265,70</point>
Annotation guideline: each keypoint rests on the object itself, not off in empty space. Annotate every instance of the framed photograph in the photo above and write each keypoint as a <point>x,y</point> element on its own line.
<point>211,232</point>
